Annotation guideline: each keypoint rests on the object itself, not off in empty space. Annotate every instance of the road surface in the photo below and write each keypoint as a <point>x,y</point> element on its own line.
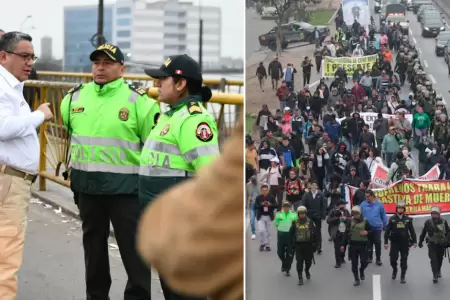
<point>265,280</point>
<point>255,26</point>
<point>53,267</point>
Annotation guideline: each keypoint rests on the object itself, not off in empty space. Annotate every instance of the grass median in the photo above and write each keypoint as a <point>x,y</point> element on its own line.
<point>321,17</point>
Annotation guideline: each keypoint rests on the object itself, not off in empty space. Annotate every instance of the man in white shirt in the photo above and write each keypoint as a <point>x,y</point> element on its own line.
<point>19,154</point>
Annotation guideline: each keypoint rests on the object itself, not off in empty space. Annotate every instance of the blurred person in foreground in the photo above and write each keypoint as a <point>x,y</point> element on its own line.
<point>202,253</point>
<point>184,140</point>
<point>19,154</point>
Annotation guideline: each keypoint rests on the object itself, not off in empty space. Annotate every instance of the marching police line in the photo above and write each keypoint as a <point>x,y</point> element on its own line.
<point>351,232</point>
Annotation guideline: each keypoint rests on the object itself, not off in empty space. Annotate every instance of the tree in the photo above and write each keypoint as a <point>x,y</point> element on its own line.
<point>282,9</point>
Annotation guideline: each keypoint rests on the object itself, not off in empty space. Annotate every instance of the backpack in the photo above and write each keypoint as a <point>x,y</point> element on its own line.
<point>401,168</point>
<point>281,181</point>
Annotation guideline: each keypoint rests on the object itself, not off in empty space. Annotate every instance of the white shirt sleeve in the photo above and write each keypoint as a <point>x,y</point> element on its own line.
<point>11,126</point>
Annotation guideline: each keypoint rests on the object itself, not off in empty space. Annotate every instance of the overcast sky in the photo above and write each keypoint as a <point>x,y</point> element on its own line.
<point>48,20</point>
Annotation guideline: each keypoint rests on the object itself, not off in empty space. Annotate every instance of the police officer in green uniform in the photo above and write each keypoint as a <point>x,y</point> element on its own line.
<point>400,231</point>
<point>356,237</point>
<point>303,236</point>
<point>185,138</point>
<point>437,231</point>
<point>283,223</point>
<point>108,121</point>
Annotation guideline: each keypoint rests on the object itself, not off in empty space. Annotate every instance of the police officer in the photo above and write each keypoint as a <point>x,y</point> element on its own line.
<point>283,223</point>
<point>356,237</point>
<point>108,121</point>
<point>303,235</point>
<point>400,231</point>
<point>337,219</point>
<point>437,231</point>
<point>185,138</point>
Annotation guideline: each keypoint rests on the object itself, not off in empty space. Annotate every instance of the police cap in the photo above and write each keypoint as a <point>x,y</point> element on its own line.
<point>436,209</point>
<point>301,209</point>
<point>177,65</point>
<point>112,51</point>
<point>401,204</point>
<point>356,209</point>
<point>286,204</point>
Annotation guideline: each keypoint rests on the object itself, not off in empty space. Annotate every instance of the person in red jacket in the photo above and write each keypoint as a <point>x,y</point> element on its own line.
<point>282,94</point>
<point>358,92</point>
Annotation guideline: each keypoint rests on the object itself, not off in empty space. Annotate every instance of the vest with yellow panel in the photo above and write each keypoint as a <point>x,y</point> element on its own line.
<point>184,140</point>
<point>108,125</point>
<point>303,230</point>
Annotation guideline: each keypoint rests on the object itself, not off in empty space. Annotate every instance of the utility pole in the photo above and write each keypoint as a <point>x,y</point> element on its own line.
<point>200,37</point>
<point>200,44</point>
<point>100,38</point>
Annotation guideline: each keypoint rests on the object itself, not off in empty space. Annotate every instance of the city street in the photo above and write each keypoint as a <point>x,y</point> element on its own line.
<point>53,267</point>
<point>254,27</point>
<point>265,280</point>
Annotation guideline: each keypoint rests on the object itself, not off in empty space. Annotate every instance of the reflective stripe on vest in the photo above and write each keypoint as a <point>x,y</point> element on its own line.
<point>189,156</point>
<point>101,154</point>
<point>284,226</point>
<point>156,171</point>
<point>104,167</point>
<point>103,141</point>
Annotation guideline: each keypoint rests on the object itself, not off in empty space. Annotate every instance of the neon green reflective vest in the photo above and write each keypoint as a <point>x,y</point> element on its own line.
<point>184,139</point>
<point>283,220</point>
<point>108,124</point>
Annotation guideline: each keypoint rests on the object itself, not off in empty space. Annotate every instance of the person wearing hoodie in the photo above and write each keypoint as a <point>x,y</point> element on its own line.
<point>355,126</point>
<point>390,146</point>
<point>288,75</point>
<point>287,152</point>
<point>399,167</point>
<point>340,159</point>
<point>282,94</point>
<point>333,128</point>
<point>362,171</point>
<point>294,188</point>
<point>358,52</point>
<point>316,206</point>
<point>373,211</point>
<point>435,157</point>
<point>381,127</point>
<point>337,219</point>
<point>261,74</point>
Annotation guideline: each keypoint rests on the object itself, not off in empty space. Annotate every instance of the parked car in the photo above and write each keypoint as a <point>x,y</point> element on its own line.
<point>416,4</point>
<point>293,32</point>
<point>268,13</point>
<point>441,41</point>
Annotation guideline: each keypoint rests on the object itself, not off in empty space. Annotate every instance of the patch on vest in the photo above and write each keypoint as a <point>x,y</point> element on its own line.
<point>194,108</point>
<point>140,91</point>
<point>77,110</point>
<point>123,114</point>
<point>165,130</point>
<point>204,132</point>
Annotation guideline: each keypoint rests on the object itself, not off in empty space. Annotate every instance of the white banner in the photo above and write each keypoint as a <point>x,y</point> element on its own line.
<point>369,118</point>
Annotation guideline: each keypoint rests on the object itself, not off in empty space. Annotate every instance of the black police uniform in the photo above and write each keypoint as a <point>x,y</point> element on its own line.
<point>400,231</point>
<point>437,241</point>
<point>304,245</point>
<point>338,227</point>
<point>357,246</point>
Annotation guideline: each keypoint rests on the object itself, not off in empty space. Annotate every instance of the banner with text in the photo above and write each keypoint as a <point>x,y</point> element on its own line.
<point>370,117</point>
<point>420,195</point>
<point>331,64</point>
<point>379,173</point>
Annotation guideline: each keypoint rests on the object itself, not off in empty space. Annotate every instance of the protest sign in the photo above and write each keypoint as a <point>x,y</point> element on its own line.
<point>420,195</point>
<point>369,118</point>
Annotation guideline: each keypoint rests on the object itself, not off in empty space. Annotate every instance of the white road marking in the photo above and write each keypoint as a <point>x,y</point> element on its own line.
<point>376,287</point>
<point>410,33</point>
<point>314,83</point>
<point>433,81</point>
<point>414,40</point>
<point>425,64</point>
<point>418,50</point>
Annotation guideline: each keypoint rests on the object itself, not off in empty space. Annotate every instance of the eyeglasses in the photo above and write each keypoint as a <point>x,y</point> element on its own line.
<point>25,56</point>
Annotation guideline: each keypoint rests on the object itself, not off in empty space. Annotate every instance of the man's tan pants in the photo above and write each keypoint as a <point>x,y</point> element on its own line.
<point>15,194</point>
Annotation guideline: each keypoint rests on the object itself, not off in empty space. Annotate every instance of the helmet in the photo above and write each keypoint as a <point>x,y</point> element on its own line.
<point>436,209</point>
<point>356,209</point>
<point>401,204</point>
<point>301,209</point>
<point>426,93</point>
<point>439,98</point>
<point>428,83</point>
<point>439,103</point>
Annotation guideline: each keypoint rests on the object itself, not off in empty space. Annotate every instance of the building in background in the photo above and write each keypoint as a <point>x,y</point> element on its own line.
<point>80,24</point>
<point>46,48</point>
<point>150,31</point>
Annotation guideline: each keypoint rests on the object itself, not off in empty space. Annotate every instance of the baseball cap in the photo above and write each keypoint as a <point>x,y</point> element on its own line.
<point>177,65</point>
<point>112,51</point>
